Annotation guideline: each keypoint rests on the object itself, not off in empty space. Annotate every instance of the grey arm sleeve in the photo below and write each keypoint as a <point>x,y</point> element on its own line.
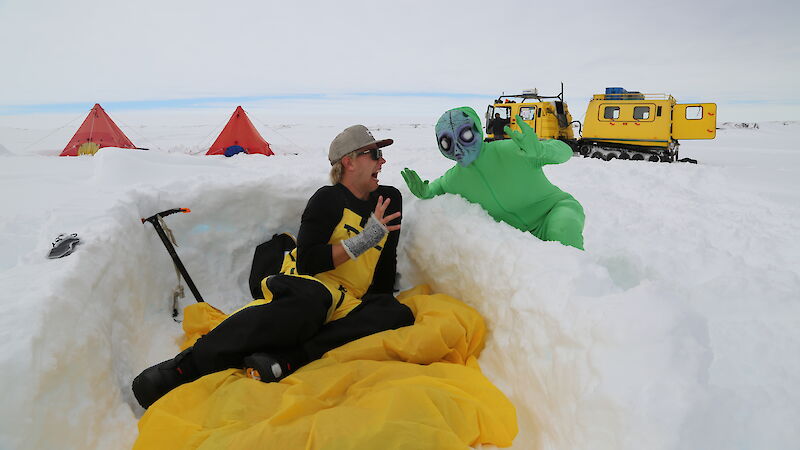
<point>373,232</point>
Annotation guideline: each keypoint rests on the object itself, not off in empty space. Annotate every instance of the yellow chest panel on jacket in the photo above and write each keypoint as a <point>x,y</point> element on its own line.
<point>354,274</point>
<point>350,280</point>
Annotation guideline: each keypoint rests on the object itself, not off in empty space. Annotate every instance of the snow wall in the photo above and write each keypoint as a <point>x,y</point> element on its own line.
<point>609,348</point>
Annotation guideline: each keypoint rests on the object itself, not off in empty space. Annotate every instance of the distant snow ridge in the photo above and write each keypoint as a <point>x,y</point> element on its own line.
<point>4,151</point>
<point>756,125</point>
<point>187,149</point>
<point>728,125</point>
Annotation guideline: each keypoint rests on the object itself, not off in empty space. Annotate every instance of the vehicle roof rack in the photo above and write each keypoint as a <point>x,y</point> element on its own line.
<point>533,93</point>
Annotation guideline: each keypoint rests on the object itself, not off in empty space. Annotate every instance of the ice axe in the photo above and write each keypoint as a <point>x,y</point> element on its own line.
<point>158,223</point>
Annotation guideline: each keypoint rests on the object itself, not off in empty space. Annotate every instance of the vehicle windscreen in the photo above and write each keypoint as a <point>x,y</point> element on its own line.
<point>504,111</point>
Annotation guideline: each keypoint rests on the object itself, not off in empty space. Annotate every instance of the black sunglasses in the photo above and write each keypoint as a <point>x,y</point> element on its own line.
<point>376,153</point>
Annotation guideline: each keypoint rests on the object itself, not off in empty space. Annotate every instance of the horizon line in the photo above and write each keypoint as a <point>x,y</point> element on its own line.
<point>200,102</point>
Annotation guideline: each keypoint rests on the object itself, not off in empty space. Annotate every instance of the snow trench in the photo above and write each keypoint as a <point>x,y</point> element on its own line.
<point>551,345</point>
<point>113,302</point>
<point>630,344</point>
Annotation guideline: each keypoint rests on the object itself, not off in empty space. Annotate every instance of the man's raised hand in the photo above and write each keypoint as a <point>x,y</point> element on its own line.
<point>380,210</point>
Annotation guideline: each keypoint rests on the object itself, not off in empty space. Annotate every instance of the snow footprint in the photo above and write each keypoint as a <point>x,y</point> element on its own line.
<point>625,271</point>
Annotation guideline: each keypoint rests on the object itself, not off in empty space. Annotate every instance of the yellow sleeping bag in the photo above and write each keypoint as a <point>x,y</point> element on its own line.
<point>418,387</point>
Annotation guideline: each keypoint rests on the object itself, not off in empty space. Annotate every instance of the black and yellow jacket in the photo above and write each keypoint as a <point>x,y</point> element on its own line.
<point>332,215</point>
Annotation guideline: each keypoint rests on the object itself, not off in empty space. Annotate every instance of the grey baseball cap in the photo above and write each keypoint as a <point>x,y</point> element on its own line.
<point>352,139</point>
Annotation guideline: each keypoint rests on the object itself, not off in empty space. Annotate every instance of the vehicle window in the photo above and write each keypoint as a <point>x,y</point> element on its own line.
<point>611,112</point>
<point>641,112</point>
<point>504,111</point>
<point>527,113</point>
<point>694,112</point>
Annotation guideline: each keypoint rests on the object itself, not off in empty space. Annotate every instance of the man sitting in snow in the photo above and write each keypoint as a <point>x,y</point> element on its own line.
<point>339,290</point>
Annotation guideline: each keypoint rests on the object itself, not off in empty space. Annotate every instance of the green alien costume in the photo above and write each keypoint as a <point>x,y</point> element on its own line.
<point>504,177</point>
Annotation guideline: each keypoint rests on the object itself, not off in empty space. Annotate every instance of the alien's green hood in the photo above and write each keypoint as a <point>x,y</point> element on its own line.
<point>474,116</point>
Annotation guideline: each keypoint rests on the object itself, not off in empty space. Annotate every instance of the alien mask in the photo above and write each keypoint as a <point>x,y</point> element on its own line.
<point>459,137</point>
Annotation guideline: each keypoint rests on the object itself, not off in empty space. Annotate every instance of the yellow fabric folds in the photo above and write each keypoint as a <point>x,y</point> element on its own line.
<point>88,148</point>
<point>198,319</point>
<point>417,387</point>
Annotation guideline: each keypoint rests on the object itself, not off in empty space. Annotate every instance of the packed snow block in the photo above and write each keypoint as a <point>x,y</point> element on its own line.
<point>415,387</point>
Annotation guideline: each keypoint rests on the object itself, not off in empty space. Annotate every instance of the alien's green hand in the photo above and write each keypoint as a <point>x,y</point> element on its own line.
<point>549,151</point>
<point>528,141</point>
<point>417,187</point>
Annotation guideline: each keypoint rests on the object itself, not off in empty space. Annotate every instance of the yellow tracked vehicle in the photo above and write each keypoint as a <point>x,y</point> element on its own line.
<point>550,119</point>
<point>618,124</point>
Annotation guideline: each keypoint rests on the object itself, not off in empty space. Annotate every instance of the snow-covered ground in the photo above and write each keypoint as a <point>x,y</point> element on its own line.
<point>677,328</point>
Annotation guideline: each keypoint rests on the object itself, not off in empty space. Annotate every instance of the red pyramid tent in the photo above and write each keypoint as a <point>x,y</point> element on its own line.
<point>240,131</point>
<point>99,129</point>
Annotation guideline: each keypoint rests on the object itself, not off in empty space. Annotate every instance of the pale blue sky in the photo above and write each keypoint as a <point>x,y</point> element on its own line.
<point>64,56</point>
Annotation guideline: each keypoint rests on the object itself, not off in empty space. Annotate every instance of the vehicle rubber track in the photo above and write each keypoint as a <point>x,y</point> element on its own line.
<point>607,152</point>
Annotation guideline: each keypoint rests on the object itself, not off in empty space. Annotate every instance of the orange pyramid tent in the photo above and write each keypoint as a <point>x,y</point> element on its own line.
<point>96,132</point>
<point>239,132</point>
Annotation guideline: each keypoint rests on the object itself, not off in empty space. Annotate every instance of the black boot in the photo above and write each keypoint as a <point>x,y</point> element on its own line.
<point>154,382</point>
<point>267,368</point>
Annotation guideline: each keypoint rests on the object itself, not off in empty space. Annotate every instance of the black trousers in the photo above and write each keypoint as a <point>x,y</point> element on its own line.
<point>292,326</point>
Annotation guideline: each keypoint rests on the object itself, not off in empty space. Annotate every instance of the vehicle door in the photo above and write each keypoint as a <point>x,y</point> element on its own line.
<point>528,114</point>
<point>694,121</point>
<point>505,115</point>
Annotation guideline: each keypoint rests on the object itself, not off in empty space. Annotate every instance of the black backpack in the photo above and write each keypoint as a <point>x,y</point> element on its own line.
<point>268,259</point>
